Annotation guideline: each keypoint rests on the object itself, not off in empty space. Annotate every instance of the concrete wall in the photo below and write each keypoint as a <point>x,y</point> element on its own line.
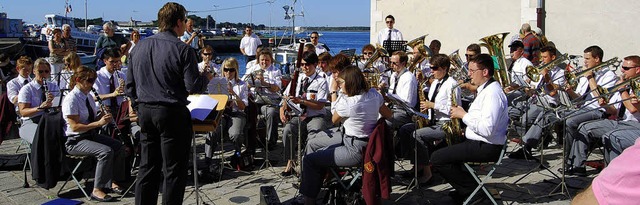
<point>571,24</point>
<point>574,25</point>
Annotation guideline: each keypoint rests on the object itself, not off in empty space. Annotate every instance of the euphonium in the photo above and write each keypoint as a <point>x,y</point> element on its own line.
<point>533,73</point>
<point>458,71</point>
<point>453,129</point>
<point>573,77</point>
<point>371,74</point>
<point>494,44</point>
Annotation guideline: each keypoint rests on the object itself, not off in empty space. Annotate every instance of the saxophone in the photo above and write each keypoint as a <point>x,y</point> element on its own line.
<point>453,129</point>
<point>420,121</point>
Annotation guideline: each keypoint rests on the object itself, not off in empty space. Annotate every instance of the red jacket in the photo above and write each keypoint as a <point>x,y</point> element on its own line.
<point>376,175</point>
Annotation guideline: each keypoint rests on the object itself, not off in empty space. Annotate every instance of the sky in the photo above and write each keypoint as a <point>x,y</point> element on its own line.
<point>316,12</point>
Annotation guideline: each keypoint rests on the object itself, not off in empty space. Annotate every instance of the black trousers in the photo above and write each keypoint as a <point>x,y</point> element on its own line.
<point>165,144</point>
<point>449,162</point>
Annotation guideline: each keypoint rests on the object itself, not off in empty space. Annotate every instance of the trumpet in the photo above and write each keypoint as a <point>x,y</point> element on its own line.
<point>533,73</point>
<point>573,77</point>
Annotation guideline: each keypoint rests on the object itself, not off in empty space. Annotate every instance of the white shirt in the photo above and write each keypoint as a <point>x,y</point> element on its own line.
<point>250,67</point>
<point>327,77</point>
<point>185,38</point>
<point>487,118</point>
<point>316,91</point>
<point>32,92</point>
<point>407,87</point>
<point>14,86</point>
<point>520,69</point>
<point>442,103</point>
<point>361,112</point>
<point>396,35</point>
<point>75,104</point>
<point>250,44</point>
<point>605,78</point>
<point>242,92</point>
<point>319,48</point>
<point>65,78</point>
<point>133,44</point>
<point>557,77</point>
<point>212,67</point>
<point>103,81</point>
<point>271,75</point>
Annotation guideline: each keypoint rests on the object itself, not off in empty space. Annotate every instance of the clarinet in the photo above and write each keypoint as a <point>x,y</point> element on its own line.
<point>104,109</point>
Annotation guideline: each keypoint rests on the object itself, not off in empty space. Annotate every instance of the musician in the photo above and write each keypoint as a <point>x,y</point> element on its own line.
<point>208,64</point>
<point>620,133</point>
<point>518,70</point>
<point>358,107</point>
<point>34,97</point>
<point>71,63</point>
<point>160,97</point>
<point>309,47</point>
<point>472,50</point>
<point>110,81</point>
<point>485,134</point>
<point>435,46</point>
<point>404,85</point>
<point>336,65</point>
<point>234,120</point>
<point>423,68</point>
<point>252,65</point>
<point>320,48</point>
<point>81,122</point>
<point>367,52</point>
<point>266,82</point>
<point>324,71</point>
<point>552,81</point>
<point>389,33</point>
<point>438,106</point>
<point>24,66</point>
<point>586,91</point>
<point>311,92</point>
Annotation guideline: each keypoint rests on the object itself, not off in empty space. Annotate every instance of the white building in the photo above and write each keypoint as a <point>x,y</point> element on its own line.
<point>572,25</point>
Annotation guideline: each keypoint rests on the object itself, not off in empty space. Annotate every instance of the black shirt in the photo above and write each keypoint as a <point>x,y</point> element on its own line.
<point>163,70</point>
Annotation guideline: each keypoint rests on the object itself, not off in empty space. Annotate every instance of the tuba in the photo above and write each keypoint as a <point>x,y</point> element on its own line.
<point>421,54</point>
<point>458,71</point>
<point>533,73</point>
<point>371,74</point>
<point>573,77</point>
<point>494,44</point>
<point>453,129</point>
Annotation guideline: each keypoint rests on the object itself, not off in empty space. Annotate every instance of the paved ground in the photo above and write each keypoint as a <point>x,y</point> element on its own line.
<point>241,188</point>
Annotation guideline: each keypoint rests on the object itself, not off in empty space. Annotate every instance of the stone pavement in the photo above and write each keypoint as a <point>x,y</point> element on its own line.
<point>241,188</point>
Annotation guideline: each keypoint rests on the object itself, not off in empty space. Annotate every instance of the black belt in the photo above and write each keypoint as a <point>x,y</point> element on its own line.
<point>353,138</point>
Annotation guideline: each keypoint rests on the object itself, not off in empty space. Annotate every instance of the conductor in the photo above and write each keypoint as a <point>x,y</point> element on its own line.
<point>163,72</point>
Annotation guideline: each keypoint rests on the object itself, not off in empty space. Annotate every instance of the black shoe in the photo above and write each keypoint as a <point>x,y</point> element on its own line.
<point>117,190</point>
<point>575,171</point>
<point>106,198</point>
<point>521,153</point>
<point>287,173</point>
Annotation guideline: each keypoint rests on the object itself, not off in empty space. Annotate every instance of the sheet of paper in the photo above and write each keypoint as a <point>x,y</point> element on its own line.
<point>201,106</point>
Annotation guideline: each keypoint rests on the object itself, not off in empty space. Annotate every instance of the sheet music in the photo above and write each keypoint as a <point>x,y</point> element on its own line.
<point>294,107</point>
<point>201,106</point>
<point>218,85</point>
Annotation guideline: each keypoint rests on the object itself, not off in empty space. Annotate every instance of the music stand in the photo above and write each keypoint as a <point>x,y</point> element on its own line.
<point>210,124</point>
<point>415,115</point>
<point>392,46</point>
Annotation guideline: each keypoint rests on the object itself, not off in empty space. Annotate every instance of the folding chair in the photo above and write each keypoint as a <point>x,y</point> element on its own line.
<point>72,175</point>
<point>481,181</point>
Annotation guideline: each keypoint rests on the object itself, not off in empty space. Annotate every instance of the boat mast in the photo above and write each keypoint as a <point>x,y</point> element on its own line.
<point>85,16</point>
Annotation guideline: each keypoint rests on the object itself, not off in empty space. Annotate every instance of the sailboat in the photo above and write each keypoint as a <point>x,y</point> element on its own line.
<point>285,55</point>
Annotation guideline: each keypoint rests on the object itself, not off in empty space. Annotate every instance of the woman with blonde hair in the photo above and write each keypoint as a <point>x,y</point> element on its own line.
<point>234,119</point>
<point>57,51</point>
<point>71,63</point>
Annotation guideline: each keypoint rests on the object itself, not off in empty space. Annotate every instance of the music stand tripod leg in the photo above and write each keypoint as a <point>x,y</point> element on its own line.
<point>414,184</point>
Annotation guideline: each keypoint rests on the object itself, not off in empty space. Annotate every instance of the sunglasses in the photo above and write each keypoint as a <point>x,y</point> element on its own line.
<point>389,21</point>
<point>630,67</point>
<point>395,63</point>
<point>229,70</point>
<point>207,54</point>
<point>313,37</point>
<point>44,71</point>
<point>305,64</point>
<point>368,53</point>
<point>434,68</point>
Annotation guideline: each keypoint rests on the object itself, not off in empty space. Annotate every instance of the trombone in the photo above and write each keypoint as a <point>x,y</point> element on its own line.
<point>573,77</point>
